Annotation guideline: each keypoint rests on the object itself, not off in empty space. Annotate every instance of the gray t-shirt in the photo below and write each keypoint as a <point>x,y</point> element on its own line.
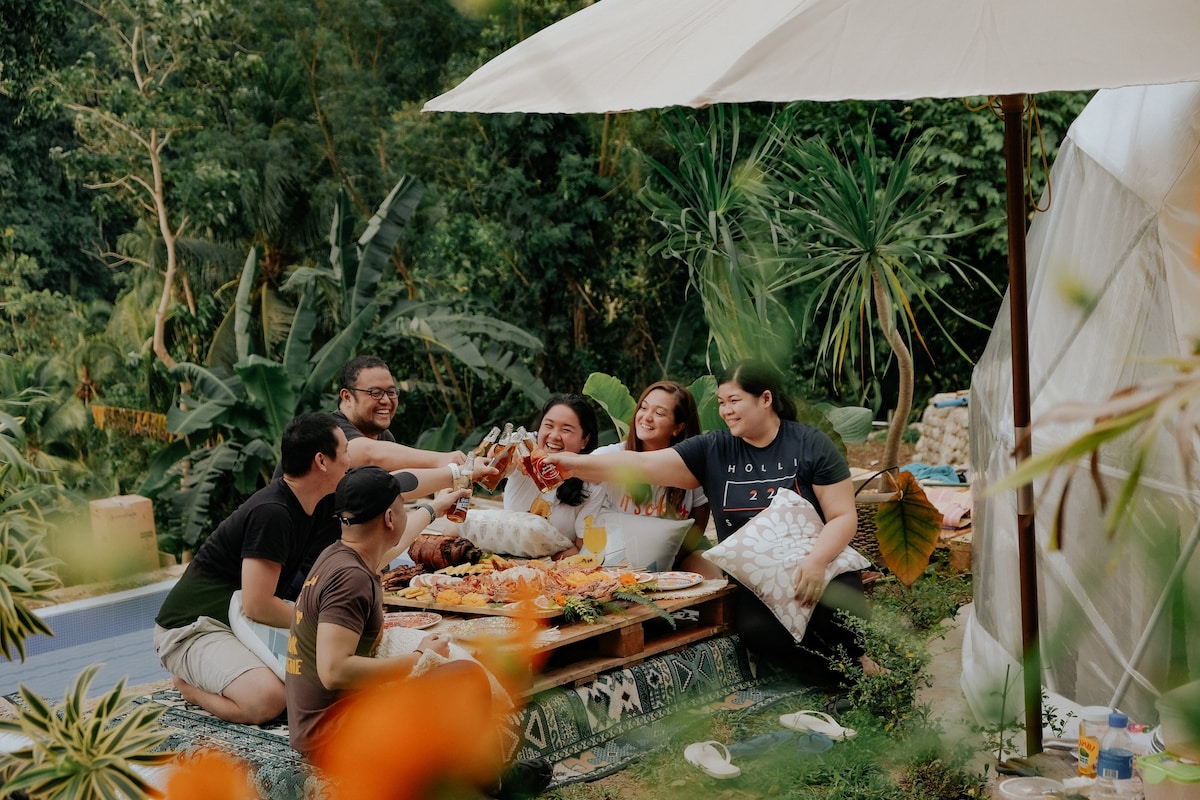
<point>740,479</point>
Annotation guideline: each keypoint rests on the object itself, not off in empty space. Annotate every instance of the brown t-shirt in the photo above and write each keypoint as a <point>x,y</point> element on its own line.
<point>342,590</point>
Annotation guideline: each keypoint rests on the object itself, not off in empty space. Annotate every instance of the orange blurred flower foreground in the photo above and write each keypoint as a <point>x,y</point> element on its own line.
<point>209,774</point>
<point>431,737</point>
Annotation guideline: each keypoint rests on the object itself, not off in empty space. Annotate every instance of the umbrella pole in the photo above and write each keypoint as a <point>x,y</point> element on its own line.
<point>1013,108</point>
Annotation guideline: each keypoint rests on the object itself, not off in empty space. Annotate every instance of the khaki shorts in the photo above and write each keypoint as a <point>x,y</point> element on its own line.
<point>205,654</point>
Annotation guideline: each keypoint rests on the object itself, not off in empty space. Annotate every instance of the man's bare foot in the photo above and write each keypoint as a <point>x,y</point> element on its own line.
<point>186,690</point>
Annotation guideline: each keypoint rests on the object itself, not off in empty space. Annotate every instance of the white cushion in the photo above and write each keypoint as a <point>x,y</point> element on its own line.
<point>642,541</point>
<point>402,641</point>
<point>764,553</point>
<point>513,533</point>
<point>266,642</point>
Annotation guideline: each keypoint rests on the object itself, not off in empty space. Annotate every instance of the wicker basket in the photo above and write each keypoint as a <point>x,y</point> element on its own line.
<point>864,540</point>
<point>866,503</point>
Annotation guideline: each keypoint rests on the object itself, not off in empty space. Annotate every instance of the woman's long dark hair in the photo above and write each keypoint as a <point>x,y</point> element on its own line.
<point>685,412</point>
<point>571,492</point>
<point>756,377</point>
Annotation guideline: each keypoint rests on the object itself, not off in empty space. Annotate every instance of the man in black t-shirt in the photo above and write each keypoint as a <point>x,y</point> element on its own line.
<point>258,549</point>
<point>367,400</point>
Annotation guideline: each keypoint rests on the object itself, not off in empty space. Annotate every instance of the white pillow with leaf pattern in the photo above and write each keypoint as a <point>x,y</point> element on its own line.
<point>764,553</point>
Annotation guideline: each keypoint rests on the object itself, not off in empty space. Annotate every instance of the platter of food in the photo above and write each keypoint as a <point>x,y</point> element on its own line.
<point>673,581</point>
<point>417,620</point>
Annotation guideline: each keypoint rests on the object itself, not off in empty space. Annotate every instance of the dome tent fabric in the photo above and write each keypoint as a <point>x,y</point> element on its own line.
<point>1122,231</point>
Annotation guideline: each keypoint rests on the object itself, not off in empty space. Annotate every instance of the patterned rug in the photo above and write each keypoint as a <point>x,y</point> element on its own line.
<point>594,730</point>
<point>587,732</point>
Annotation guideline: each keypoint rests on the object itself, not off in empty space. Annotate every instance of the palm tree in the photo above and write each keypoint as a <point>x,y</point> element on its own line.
<point>859,224</point>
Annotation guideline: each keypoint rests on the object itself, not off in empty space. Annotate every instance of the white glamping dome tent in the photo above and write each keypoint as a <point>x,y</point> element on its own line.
<point>1119,619</point>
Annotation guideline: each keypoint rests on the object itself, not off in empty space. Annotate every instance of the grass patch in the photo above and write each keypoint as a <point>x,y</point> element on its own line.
<point>901,751</point>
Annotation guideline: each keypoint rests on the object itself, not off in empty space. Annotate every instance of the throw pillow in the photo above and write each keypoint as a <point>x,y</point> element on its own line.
<point>764,553</point>
<point>641,541</point>
<point>266,642</point>
<point>513,533</point>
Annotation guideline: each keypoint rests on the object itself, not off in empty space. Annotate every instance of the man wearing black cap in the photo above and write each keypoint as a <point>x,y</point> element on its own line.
<point>260,549</point>
<point>339,614</point>
<point>257,549</point>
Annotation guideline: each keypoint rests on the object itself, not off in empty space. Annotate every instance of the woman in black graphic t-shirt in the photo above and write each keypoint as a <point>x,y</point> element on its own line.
<point>740,469</point>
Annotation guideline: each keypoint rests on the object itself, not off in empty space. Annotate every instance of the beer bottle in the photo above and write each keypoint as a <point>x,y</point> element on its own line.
<point>544,474</point>
<point>485,447</point>
<point>502,459</point>
<point>458,511</point>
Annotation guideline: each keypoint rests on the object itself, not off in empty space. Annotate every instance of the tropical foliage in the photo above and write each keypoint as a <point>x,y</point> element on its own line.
<point>860,228</point>
<point>73,754</point>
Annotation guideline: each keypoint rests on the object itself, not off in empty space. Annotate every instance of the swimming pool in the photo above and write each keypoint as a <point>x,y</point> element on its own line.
<point>114,630</point>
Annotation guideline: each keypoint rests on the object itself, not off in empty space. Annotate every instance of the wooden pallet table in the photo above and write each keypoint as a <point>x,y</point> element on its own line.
<point>580,651</point>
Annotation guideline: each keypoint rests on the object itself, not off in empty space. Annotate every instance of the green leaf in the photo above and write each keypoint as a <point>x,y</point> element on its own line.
<point>853,423</point>
<point>441,439</point>
<point>207,468</point>
<point>298,348</point>
<point>704,390</point>
<point>269,386</point>
<point>243,313</point>
<point>613,397</point>
<point>376,244</point>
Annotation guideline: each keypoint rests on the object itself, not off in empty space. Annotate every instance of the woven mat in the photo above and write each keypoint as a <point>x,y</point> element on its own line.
<point>587,732</point>
<point>591,731</point>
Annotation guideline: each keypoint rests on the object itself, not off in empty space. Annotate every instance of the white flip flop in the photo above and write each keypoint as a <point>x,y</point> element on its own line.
<point>713,758</point>
<point>819,722</point>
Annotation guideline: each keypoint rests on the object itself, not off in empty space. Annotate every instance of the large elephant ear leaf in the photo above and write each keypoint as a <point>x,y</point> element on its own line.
<point>907,528</point>
<point>613,397</point>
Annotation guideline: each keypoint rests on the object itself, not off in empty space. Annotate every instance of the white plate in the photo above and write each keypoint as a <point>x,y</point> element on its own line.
<point>417,620</point>
<point>671,581</point>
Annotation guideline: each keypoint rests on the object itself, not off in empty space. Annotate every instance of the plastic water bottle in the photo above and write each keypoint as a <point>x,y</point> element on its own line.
<point>1114,768</point>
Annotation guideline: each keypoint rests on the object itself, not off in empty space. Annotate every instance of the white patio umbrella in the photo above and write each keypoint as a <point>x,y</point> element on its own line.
<point>624,55</point>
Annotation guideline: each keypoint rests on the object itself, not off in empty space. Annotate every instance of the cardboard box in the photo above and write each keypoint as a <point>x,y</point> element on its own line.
<point>123,535</point>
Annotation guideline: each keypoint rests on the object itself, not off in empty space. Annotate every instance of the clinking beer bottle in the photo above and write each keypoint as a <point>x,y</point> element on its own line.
<point>502,459</point>
<point>458,511</point>
<point>544,474</point>
<point>485,447</point>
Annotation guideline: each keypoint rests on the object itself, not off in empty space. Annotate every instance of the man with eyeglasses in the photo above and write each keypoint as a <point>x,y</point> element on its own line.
<point>366,405</point>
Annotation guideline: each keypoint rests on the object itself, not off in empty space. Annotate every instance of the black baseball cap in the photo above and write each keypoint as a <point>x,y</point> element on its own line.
<point>364,493</point>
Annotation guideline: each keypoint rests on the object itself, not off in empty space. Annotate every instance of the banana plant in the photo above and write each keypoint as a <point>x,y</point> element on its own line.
<point>232,419</point>
<point>73,755</point>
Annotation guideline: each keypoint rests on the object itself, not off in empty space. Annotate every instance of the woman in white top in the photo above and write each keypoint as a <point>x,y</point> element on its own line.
<point>567,425</point>
<point>665,415</point>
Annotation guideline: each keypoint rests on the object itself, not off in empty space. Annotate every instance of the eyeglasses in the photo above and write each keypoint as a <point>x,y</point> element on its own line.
<point>376,394</point>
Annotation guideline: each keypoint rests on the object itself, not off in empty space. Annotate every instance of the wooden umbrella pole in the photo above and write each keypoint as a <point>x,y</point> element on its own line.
<point>1013,108</point>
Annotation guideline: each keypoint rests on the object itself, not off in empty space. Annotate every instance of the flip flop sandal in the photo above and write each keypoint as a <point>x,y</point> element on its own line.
<point>713,758</point>
<point>812,743</point>
<point>818,722</point>
<point>761,744</point>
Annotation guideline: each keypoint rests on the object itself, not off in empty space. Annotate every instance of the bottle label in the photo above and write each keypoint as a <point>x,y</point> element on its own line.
<point>458,512</point>
<point>1089,754</point>
<point>1115,763</point>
